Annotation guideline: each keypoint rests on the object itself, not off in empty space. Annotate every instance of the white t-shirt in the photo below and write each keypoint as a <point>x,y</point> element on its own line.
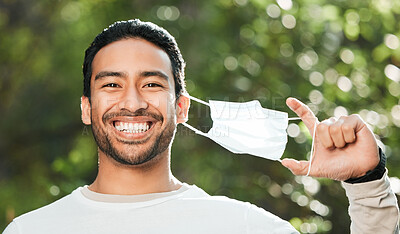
<point>187,210</point>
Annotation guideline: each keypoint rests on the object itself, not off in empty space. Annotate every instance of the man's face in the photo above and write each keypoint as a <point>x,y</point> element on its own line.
<point>133,110</point>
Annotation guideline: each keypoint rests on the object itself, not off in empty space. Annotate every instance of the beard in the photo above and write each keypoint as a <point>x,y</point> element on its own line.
<point>131,155</point>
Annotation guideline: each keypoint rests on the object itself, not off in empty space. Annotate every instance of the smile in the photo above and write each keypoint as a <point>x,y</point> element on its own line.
<point>130,127</point>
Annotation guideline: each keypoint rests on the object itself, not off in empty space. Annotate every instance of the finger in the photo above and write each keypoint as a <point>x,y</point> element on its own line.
<point>335,131</point>
<point>357,123</point>
<point>323,135</point>
<point>303,111</point>
<point>296,167</point>
<point>348,129</point>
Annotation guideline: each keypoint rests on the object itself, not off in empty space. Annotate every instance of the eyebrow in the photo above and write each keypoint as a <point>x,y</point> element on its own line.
<point>154,73</point>
<point>103,74</point>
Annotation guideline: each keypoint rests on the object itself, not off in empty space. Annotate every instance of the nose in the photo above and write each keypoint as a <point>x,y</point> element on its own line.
<point>132,100</point>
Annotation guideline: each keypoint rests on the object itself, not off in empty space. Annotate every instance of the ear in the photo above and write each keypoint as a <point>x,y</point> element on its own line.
<point>182,109</point>
<point>85,109</point>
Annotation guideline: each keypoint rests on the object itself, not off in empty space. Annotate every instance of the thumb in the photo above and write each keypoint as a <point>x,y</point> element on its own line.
<point>296,167</point>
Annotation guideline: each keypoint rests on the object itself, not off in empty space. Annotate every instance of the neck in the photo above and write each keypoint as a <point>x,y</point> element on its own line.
<point>153,177</point>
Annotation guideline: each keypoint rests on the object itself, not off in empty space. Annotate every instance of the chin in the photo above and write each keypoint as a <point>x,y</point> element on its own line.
<point>139,161</point>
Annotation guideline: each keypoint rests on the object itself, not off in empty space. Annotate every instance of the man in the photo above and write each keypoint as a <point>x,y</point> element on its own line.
<point>134,97</point>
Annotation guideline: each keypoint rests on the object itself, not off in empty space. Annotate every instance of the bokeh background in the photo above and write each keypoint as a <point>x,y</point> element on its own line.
<point>340,57</point>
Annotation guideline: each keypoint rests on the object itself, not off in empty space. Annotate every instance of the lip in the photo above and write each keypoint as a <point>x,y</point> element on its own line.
<point>136,119</point>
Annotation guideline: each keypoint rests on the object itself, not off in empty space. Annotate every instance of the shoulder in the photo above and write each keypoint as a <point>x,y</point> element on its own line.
<point>60,208</point>
<point>11,228</point>
<point>195,196</point>
<point>52,207</point>
<point>254,218</point>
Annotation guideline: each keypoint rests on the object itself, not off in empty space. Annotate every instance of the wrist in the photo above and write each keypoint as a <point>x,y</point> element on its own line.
<point>374,174</point>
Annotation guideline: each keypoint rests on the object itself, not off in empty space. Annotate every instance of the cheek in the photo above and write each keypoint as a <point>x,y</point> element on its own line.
<point>158,100</point>
<point>155,102</point>
<point>101,104</point>
<point>165,104</point>
<point>171,106</point>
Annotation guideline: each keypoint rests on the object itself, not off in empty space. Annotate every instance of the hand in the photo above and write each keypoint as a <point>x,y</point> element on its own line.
<point>343,148</point>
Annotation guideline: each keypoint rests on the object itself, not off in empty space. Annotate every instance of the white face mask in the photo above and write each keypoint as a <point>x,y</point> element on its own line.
<point>247,128</point>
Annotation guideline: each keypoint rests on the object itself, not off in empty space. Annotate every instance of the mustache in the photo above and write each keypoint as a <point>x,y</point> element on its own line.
<point>127,113</point>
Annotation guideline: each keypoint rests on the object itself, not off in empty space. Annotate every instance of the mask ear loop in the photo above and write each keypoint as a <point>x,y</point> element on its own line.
<point>190,127</point>
<point>194,129</point>
<point>312,150</point>
<point>198,100</point>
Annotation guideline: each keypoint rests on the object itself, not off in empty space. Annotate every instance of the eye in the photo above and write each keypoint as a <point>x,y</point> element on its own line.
<point>153,85</point>
<point>111,85</point>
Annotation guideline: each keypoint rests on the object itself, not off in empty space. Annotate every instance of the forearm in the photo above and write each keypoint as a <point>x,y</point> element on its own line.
<point>373,206</point>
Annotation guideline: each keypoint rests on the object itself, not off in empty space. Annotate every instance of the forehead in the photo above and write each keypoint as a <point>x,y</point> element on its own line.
<point>131,55</point>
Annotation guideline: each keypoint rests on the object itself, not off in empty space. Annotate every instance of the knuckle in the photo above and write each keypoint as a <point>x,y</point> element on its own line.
<point>322,127</point>
<point>356,117</point>
<point>346,128</point>
<point>334,129</point>
<point>326,121</point>
<point>332,119</point>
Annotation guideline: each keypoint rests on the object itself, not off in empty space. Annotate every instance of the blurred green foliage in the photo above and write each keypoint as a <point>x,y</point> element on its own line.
<point>340,57</point>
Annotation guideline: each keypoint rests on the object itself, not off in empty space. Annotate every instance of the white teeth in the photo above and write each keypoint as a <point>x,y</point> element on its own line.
<point>132,127</point>
<point>141,127</point>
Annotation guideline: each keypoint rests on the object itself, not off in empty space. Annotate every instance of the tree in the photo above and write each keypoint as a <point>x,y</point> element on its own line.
<point>340,57</point>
